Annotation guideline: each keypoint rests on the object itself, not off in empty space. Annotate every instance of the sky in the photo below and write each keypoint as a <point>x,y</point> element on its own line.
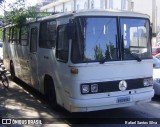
<point>29,3</point>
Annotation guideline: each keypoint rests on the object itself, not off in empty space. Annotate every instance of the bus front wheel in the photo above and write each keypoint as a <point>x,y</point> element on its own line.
<point>51,94</point>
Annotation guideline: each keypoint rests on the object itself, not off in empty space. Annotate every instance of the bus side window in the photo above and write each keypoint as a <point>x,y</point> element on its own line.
<point>33,40</point>
<point>10,35</point>
<point>6,35</point>
<point>24,35</point>
<point>15,35</point>
<point>47,39</point>
<point>62,47</point>
<point>51,30</point>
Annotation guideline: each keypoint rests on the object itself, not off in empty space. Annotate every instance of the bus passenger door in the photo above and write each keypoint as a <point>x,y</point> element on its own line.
<point>33,55</point>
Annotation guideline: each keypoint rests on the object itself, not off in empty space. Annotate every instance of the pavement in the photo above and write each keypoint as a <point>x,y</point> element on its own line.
<point>22,102</point>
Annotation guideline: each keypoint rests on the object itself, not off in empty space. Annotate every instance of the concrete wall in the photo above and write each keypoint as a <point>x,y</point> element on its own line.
<point>68,6</point>
<point>80,4</point>
<point>86,4</point>
<point>59,8</point>
<point>97,4</point>
<point>143,6</point>
<point>50,9</point>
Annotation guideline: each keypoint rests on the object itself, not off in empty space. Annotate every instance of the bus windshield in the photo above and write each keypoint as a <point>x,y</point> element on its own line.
<point>136,38</point>
<point>97,38</point>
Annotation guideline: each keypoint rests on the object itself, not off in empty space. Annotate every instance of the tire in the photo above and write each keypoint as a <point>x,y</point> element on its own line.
<point>12,72</point>
<point>5,81</point>
<point>51,94</point>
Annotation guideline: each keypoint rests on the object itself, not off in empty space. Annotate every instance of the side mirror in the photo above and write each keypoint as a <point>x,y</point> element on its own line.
<point>150,32</point>
<point>154,65</point>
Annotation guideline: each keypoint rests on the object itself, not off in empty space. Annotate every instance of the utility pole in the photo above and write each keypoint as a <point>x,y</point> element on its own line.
<point>106,3</point>
<point>74,4</point>
<point>88,4</point>
<point>154,18</point>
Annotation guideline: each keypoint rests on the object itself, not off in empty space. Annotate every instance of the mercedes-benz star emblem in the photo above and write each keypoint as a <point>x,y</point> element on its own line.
<point>123,85</point>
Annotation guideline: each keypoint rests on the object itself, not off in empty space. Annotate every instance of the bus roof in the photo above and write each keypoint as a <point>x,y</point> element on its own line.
<point>97,12</point>
<point>89,12</point>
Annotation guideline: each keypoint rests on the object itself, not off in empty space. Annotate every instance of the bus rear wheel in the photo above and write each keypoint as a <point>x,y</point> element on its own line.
<point>51,94</point>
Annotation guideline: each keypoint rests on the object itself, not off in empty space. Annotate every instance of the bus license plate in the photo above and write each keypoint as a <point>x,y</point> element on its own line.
<point>123,99</point>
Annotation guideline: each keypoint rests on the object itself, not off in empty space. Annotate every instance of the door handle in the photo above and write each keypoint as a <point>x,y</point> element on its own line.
<point>46,57</point>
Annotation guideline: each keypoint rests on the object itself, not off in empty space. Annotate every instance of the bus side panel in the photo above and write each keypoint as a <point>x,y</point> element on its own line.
<point>24,63</point>
<point>47,66</point>
<point>6,49</point>
<point>6,58</point>
<point>15,59</point>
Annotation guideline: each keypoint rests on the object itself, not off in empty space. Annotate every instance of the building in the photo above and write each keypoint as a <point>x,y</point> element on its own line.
<point>46,2</point>
<point>73,5</point>
<point>150,7</point>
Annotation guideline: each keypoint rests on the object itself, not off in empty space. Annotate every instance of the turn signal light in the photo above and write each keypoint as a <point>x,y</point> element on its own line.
<point>74,70</point>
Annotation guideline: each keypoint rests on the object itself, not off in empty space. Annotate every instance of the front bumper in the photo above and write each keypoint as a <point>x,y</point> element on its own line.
<point>87,105</point>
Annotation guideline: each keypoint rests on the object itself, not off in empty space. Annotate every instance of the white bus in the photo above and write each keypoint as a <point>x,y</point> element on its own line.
<point>84,61</point>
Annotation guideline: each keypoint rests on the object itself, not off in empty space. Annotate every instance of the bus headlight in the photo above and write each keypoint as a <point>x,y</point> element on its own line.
<point>148,82</point>
<point>85,89</point>
<point>94,88</point>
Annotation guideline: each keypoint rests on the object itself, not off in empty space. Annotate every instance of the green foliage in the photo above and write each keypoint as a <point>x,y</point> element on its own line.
<point>1,34</point>
<point>19,13</point>
<point>17,16</point>
<point>98,52</point>
<point>109,51</point>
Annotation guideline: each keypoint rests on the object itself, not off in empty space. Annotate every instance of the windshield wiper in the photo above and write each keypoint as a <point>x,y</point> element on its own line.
<point>132,54</point>
<point>135,56</point>
<point>103,60</point>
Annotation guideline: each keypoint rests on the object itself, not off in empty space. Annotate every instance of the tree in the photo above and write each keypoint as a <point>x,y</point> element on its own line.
<point>1,30</point>
<point>20,13</point>
<point>109,51</point>
<point>98,53</point>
